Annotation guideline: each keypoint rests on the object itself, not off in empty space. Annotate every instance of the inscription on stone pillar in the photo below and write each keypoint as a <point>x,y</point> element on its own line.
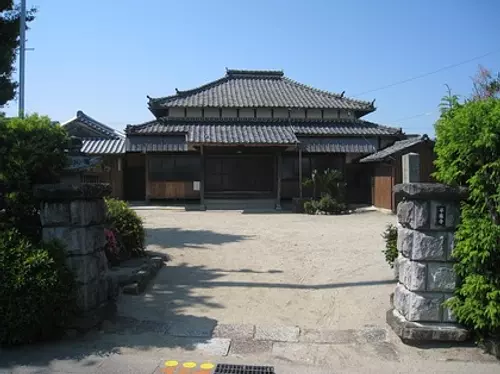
<point>440,215</point>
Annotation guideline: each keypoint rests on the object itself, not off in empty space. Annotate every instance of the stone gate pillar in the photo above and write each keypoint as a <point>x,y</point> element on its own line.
<point>75,214</point>
<point>428,216</point>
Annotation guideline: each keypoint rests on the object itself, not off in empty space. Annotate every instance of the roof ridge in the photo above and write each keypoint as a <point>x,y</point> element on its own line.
<point>190,91</point>
<point>327,93</point>
<point>80,114</point>
<point>238,73</point>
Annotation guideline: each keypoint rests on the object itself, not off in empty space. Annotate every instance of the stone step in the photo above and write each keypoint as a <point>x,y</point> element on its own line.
<point>240,204</point>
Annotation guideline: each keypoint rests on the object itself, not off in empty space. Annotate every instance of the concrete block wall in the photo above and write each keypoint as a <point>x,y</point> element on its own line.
<point>427,217</point>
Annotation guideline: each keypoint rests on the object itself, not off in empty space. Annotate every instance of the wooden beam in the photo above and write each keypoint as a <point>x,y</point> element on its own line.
<point>278,186</point>
<point>202,179</point>
<point>300,172</point>
<point>146,168</point>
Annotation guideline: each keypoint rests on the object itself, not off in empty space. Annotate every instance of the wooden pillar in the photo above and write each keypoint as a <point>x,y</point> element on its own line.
<point>278,185</point>
<point>202,179</point>
<point>300,172</point>
<point>146,168</point>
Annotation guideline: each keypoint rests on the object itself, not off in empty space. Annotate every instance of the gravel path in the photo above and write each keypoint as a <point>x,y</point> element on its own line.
<point>286,269</point>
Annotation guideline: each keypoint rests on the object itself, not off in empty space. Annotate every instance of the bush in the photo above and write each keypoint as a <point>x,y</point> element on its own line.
<point>32,151</point>
<point>127,227</point>
<point>310,207</point>
<point>390,252</point>
<point>468,154</point>
<point>37,291</point>
<point>328,204</point>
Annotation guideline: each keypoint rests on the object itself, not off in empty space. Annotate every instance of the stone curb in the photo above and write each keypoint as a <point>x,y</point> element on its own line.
<point>256,336</point>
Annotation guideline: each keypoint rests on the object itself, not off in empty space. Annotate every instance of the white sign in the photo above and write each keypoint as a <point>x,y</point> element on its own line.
<point>196,185</point>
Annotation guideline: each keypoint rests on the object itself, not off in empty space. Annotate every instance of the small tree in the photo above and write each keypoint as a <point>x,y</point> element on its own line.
<point>32,151</point>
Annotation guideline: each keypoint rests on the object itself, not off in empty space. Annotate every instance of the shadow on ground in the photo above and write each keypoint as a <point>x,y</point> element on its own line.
<point>199,239</point>
<point>163,323</point>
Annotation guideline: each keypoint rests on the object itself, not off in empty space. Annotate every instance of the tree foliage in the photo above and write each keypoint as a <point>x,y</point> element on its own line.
<point>485,84</point>
<point>32,151</point>
<point>9,42</point>
<point>468,154</point>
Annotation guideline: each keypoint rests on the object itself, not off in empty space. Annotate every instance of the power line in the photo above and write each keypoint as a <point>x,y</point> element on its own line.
<point>427,74</point>
<point>415,116</point>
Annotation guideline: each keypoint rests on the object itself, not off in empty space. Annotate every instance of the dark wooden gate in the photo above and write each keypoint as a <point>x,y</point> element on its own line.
<point>134,178</point>
<point>359,183</point>
<point>239,174</point>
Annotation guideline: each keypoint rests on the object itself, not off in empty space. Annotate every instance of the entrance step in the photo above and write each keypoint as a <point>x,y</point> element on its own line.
<point>240,204</point>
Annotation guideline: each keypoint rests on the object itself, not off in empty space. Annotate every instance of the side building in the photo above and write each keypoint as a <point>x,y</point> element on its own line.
<point>105,142</point>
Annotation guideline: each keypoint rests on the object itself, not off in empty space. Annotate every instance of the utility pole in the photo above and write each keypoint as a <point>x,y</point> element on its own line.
<point>22,56</point>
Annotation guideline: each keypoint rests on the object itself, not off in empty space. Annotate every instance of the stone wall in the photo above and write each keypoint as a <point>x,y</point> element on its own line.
<point>427,219</point>
<point>75,215</point>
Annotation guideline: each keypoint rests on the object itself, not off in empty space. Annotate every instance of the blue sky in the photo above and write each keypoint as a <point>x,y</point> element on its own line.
<point>105,56</point>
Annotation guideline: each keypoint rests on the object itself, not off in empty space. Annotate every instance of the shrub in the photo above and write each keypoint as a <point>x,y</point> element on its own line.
<point>330,205</point>
<point>310,207</point>
<point>331,187</point>
<point>468,154</point>
<point>127,227</point>
<point>37,291</point>
<point>390,252</point>
<point>32,151</point>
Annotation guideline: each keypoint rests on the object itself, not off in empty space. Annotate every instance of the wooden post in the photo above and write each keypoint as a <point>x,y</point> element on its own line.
<point>300,172</point>
<point>278,186</point>
<point>202,179</point>
<point>146,168</point>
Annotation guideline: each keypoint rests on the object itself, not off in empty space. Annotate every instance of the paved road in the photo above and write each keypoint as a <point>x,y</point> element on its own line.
<point>131,346</point>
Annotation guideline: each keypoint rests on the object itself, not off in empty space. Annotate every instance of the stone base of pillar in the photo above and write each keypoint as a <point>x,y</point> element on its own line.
<point>278,207</point>
<point>203,207</point>
<point>420,332</point>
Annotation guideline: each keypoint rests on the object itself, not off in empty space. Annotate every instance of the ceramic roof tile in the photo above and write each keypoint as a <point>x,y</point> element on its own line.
<point>156,144</point>
<point>103,146</point>
<point>398,146</point>
<point>338,145</point>
<point>253,88</point>
<point>340,127</point>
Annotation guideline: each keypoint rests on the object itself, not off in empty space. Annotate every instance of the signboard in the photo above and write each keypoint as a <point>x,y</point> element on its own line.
<point>196,185</point>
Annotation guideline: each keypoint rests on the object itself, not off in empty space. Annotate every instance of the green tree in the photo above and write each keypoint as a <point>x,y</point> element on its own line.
<point>468,154</point>
<point>9,42</point>
<point>32,151</point>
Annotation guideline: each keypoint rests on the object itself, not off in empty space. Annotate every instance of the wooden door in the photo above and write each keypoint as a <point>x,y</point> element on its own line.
<point>382,186</point>
<point>239,173</point>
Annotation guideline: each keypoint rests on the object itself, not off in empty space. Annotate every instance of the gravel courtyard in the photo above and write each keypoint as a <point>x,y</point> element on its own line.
<point>286,269</point>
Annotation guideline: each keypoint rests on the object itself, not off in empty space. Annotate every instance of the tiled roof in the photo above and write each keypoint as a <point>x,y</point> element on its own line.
<point>338,145</point>
<point>340,127</point>
<point>103,146</point>
<point>156,143</point>
<point>254,88</point>
<point>398,146</point>
<point>103,130</point>
<point>234,134</point>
